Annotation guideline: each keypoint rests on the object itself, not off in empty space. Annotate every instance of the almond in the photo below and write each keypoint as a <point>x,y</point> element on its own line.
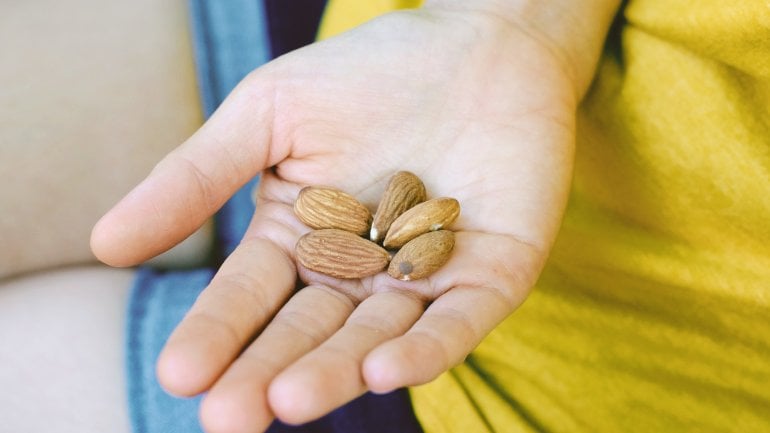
<point>403,191</point>
<point>340,254</point>
<point>427,216</point>
<point>422,256</point>
<point>329,208</point>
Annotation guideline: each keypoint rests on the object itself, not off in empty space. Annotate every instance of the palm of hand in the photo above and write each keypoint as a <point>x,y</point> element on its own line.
<point>492,129</point>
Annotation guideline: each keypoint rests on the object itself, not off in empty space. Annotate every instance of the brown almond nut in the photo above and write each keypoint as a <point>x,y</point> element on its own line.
<point>422,256</point>
<point>403,191</point>
<point>329,208</point>
<point>340,254</point>
<point>427,216</point>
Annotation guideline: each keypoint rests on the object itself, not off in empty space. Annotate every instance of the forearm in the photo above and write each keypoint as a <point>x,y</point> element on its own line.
<point>574,30</point>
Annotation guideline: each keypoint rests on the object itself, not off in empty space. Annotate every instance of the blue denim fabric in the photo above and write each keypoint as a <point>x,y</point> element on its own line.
<point>158,303</point>
<point>230,39</point>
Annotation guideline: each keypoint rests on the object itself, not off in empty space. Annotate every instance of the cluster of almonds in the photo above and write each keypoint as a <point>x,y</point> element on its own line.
<point>405,223</point>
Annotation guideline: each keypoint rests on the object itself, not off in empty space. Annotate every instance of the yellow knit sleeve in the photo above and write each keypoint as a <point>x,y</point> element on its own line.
<point>653,313</point>
<point>342,15</point>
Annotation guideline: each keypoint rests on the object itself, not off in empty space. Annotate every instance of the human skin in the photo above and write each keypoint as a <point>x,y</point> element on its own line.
<point>479,101</point>
<point>88,104</point>
<point>62,355</point>
<point>92,94</point>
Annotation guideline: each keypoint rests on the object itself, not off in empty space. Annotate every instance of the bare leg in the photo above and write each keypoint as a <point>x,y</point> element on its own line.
<point>92,95</point>
<point>61,357</point>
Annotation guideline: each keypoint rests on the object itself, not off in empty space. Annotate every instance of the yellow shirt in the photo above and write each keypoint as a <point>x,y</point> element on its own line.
<point>653,313</point>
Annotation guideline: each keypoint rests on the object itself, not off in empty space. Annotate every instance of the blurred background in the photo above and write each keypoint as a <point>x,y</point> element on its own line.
<point>92,95</point>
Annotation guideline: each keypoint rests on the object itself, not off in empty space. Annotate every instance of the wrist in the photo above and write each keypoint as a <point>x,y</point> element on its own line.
<point>574,31</point>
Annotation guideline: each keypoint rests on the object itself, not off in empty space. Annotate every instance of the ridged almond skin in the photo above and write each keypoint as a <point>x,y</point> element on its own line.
<point>422,256</point>
<point>404,191</point>
<point>340,254</point>
<point>329,208</point>
<point>427,216</point>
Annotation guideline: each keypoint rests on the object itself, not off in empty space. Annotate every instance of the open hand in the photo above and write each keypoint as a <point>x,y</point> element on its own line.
<point>478,107</point>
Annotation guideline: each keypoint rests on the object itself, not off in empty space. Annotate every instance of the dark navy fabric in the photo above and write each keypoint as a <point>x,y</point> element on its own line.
<point>230,38</point>
<point>292,24</point>
<point>370,413</point>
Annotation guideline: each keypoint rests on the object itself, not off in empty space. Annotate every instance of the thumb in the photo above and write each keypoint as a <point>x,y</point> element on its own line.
<point>192,182</point>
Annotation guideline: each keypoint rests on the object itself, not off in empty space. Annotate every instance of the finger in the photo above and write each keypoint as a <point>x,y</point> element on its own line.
<point>237,402</point>
<point>448,331</point>
<point>251,285</point>
<point>330,376</point>
<point>194,180</point>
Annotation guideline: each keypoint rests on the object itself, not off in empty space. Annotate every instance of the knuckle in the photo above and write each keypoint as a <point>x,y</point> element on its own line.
<point>204,183</point>
<point>245,290</point>
<point>303,324</point>
<point>227,330</point>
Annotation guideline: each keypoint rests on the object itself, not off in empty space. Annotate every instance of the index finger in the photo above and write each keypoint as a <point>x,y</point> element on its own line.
<point>254,281</point>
